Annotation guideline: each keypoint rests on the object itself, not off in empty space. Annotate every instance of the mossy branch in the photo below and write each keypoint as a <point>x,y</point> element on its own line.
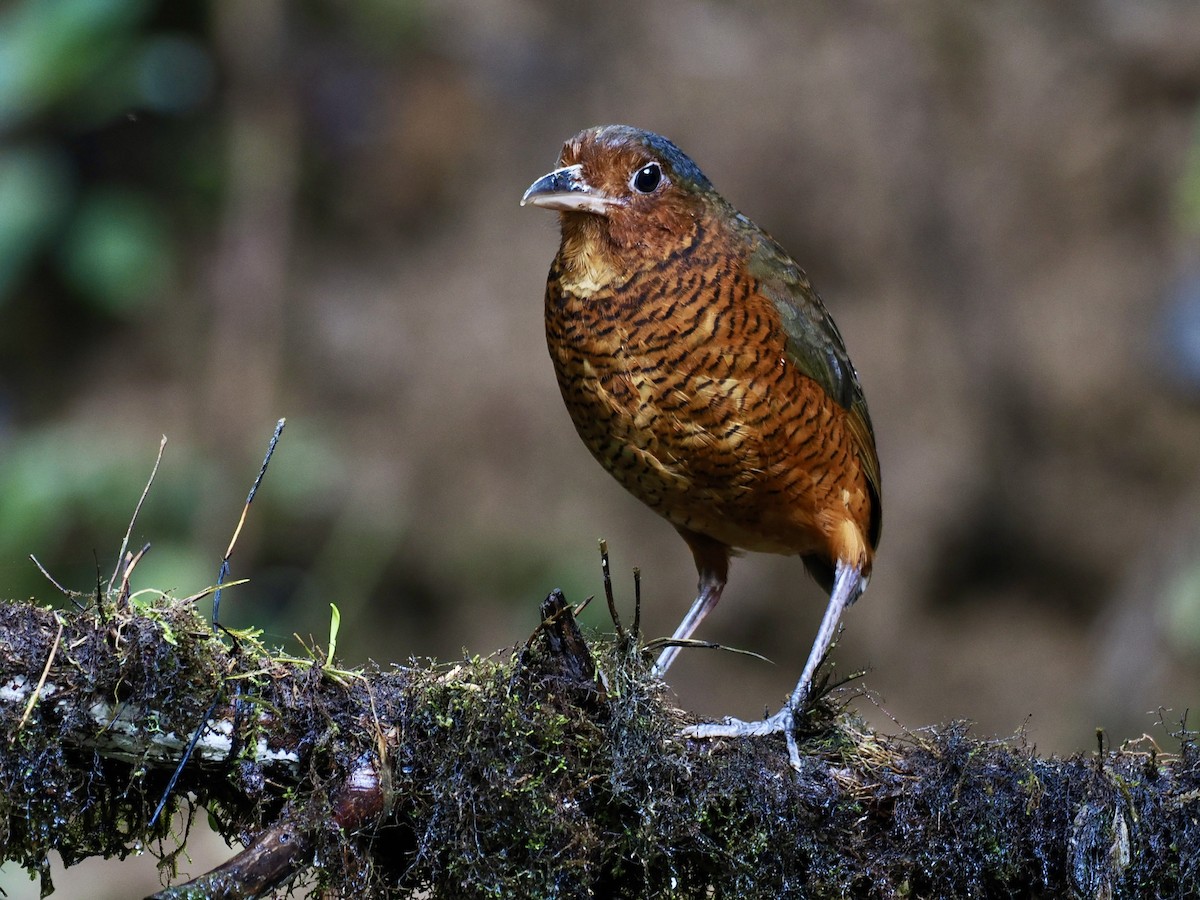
<point>539,773</point>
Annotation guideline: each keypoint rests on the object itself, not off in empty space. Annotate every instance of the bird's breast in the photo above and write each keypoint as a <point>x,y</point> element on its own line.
<point>653,377</point>
<point>679,383</point>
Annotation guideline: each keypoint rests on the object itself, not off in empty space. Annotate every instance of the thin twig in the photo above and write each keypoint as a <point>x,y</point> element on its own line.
<point>70,595</point>
<point>123,593</point>
<point>212,588</point>
<point>183,760</point>
<point>37,691</point>
<point>224,570</point>
<point>637,602</point>
<point>695,643</point>
<point>137,509</point>
<point>608,590</point>
<point>257,481</point>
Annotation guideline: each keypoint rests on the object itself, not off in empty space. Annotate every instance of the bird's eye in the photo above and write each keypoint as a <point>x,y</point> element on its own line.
<point>647,178</point>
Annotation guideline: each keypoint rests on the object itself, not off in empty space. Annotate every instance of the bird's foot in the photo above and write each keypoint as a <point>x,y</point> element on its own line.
<point>783,721</point>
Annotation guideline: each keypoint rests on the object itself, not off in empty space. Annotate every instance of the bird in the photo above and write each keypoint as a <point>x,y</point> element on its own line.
<point>702,370</point>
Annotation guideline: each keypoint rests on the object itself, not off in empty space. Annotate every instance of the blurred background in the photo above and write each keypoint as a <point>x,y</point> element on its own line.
<point>214,214</point>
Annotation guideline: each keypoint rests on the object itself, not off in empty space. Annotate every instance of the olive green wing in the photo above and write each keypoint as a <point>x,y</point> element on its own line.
<point>815,347</point>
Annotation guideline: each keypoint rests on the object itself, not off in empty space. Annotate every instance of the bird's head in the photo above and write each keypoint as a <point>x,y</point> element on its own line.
<point>625,194</point>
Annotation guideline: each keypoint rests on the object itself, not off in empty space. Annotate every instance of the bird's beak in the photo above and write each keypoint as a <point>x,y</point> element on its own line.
<point>567,190</point>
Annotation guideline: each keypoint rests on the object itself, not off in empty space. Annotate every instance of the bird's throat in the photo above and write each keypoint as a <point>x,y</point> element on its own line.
<point>589,265</point>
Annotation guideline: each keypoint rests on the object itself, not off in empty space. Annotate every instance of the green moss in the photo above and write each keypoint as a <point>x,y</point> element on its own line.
<point>507,777</point>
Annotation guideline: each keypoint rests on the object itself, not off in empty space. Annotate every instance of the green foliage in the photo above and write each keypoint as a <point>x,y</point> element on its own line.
<point>117,249</point>
<point>68,68</point>
<point>35,185</point>
<point>59,52</point>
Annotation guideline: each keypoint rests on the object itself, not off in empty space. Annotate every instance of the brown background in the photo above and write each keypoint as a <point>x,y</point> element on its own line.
<point>997,202</point>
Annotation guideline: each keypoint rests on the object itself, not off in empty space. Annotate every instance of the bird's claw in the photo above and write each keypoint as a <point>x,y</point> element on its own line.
<point>733,728</point>
<point>783,721</point>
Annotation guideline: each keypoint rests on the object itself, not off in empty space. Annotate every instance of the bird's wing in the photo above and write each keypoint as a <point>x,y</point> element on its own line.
<point>815,347</point>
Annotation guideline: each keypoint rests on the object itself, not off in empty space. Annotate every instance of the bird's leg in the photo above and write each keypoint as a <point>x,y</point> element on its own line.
<point>712,562</point>
<point>847,586</point>
<point>710,593</point>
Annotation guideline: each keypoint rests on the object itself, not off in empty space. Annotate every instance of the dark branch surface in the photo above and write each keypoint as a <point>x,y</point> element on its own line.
<point>541,773</point>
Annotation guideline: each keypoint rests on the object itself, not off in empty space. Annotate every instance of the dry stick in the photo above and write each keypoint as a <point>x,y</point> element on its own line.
<point>242,520</point>
<point>137,509</point>
<point>33,698</point>
<point>279,852</point>
<point>583,604</point>
<point>608,590</point>
<point>100,594</point>
<point>123,592</point>
<point>70,595</point>
<point>637,603</point>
